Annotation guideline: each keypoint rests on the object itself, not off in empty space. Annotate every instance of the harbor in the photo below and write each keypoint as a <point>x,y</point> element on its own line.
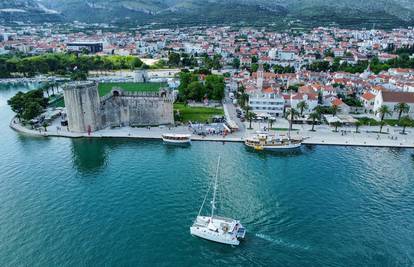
<point>323,136</point>
<point>125,201</point>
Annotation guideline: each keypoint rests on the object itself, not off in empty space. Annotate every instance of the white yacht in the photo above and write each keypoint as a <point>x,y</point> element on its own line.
<point>216,228</point>
<point>176,138</point>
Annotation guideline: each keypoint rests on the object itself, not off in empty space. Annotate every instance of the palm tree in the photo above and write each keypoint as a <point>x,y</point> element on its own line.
<point>290,114</point>
<point>302,105</point>
<point>319,109</point>
<point>45,125</point>
<point>357,125</point>
<point>250,116</point>
<point>243,99</point>
<point>404,122</point>
<point>335,109</point>
<point>383,110</point>
<point>46,88</point>
<point>401,108</point>
<point>336,124</point>
<point>271,121</point>
<point>314,116</point>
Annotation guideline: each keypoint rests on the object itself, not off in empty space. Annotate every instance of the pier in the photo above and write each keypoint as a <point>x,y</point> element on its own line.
<point>322,136</point>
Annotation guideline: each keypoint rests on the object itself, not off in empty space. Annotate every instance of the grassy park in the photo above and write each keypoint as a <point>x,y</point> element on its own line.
<point>105,88</point>
<point>199,114</point>
<point>60,103</point>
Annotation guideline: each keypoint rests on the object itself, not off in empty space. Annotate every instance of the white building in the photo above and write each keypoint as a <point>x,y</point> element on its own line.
<point>310,99</point>
<point>391,99</point>
<point>368,100</point>
<point>270,103</point>
<point>287,54</point>
<point>273,53</point>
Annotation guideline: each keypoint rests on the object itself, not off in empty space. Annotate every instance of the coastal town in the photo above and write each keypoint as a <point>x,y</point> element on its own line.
<point>329,85</point>
<point>207,133</point>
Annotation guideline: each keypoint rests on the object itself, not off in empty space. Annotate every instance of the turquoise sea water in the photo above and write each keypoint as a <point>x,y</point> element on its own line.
<point>119,202</point>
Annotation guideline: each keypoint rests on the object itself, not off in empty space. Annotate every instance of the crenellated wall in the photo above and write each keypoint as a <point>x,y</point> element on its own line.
<point>136,109</point>
<point>119,108</point>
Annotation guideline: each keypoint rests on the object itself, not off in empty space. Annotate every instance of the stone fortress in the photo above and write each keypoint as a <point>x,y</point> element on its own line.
<point>87,111</point>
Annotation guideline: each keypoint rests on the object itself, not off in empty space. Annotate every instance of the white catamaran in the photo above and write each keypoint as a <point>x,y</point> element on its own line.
<point>215,228</point>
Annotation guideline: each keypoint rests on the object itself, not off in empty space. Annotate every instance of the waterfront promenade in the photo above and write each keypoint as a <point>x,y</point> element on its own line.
<point>324,135</point>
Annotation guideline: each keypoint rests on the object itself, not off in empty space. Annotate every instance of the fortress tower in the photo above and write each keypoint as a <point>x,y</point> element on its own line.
<point>82,106</point>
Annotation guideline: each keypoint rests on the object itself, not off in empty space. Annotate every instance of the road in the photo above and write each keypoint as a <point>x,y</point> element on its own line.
<point>230,110</point>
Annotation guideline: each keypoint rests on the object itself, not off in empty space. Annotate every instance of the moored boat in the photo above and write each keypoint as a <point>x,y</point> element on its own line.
<point>264,141</point>
<point>176,139</point>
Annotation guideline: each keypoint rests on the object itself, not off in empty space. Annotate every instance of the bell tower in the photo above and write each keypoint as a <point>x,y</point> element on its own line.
<point>260,77</point>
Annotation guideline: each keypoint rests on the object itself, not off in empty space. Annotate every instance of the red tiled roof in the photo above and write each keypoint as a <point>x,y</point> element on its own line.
<point>398,97</point>
<point>337,102</point>
<point>368,96</point>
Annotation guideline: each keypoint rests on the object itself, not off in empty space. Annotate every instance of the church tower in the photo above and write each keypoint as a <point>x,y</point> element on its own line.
<point>260,77</point>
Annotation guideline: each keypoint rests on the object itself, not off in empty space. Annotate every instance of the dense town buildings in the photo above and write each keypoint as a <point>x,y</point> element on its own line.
<point>266,64</point>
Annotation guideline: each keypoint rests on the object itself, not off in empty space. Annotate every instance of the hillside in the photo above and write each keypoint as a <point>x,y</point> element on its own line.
<point>350,13</point>
<point>27,11</point>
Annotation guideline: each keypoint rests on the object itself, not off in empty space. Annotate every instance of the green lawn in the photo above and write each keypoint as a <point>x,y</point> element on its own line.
<point>105,88</point>
<point>282,129</point>
<point>60,103</point>
<point>199,114</point>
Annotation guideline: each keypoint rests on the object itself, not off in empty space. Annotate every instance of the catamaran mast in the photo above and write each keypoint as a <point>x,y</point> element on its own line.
<point>215,189</point>
<point>291,115</point>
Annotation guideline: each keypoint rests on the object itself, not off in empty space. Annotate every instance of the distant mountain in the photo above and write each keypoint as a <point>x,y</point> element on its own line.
<point>27,10</point>
<point>354,13</point>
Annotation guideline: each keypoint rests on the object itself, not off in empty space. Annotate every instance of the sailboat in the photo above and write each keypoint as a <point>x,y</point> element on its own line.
<point>215,228</point>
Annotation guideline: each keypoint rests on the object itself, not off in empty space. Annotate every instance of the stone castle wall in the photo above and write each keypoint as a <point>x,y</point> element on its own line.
<point>136,110</point>
<point>82,102</point>
<point>86,110</point>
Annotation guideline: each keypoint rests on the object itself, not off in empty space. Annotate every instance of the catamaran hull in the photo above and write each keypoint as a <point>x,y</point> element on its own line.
<point>211,236</point>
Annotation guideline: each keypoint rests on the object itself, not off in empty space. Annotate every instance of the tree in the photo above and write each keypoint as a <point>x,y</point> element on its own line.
<point>79,75</point>
<point>254,67</point>
<point>174,59</point>
<point>281,69</point>
<point>302,105</point>
<point>291,114</point>
<point>404,122</point>
<point>357,125</point>
<point>17,103</point>
<point>335,109</point>
<point>401,108</point>
<point>320,98</point>
<point>215,86</point>
<point>314,116</point>
<point>271,121</point>
<point>28,105</point>
<point>196,91</point>
<point>383,110</point>
<point>236,63</point>
<point>243,99</point>
<point>32,110</point>
<point>45,125</point>
<point>319,109</point>
<point>250,116</point>
<point>336,124</point>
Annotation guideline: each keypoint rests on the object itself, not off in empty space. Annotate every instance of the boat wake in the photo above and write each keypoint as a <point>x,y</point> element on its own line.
<point>281,242</point>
